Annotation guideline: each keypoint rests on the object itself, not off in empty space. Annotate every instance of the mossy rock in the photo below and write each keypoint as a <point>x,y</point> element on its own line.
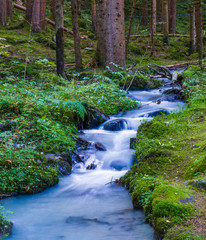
<point>196,168</point>
<point>153,129</point>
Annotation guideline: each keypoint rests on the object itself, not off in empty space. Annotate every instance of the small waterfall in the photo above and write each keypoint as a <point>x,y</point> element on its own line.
<point>84,205</point>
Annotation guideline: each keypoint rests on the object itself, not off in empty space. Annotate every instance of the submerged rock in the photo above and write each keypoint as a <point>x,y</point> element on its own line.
<point>116,125</point>
<point>118,165</point>
<point>155,113</point>
<point>100,147</point>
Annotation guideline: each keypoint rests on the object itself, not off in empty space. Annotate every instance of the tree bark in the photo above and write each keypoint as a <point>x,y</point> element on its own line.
<point>9,9</point>
<point>75,24</point>
<point>115,35</point>
<point>53,8</point>
<point>165,22</point>
<point>94,16</point>
<point>192,29</point>
<point>159,10</point>
<point>29,11</point>
<point>199,39</point>
<point>153,25</point>
<point>101,32</point>
<point>36,16</point>
<point>172,15</point>
<point>130,26</point>
<point>144,20</point>
<point>59,38</point>
<point>3,12</point>
<point>43,15</point>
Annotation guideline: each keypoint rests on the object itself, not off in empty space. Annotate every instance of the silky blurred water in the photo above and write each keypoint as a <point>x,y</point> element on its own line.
<point>83,206</point>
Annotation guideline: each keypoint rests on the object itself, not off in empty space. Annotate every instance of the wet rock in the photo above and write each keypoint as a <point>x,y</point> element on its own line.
<point>118,165</point>
<point>155,113</point>
<point>132,143</point>
<point>83,220</point>
<point>116,125</point>
<point>100,147</point>
<point>173,94</point>
<point>64,161</point>
<point>92,166</point>
<point>64,167</point>
<point>199,184</point>
<point>93,119</point>
<point>187,200</point>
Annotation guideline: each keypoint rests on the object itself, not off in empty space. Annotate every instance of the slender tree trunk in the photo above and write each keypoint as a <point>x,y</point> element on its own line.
<point>77,47</point>
<point>43,15</point>
<point>172,16</point>
<point>153,25</point>
<point>79,7</point>
<point>59,38</point>
<point>192,29</point>
<point>199,39</point>
<point>165,22</point>
<point>53,8</point>
<point>36,16</point>
<point>94,16</point>
<point>159,10</point>
<point>3,12</point>
<point>144,20</point>
<point>101,32</point>
<point>115,34</point>
<point>130,26</point>
<point>9,9</point>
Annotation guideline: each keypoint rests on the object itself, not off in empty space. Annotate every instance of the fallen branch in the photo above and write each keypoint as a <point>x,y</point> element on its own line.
<point>159,35</point>
<point>50,21</point>
<point>115,181</point>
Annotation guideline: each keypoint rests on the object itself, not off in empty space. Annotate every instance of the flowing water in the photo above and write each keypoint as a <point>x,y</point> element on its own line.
<point>83,206</point>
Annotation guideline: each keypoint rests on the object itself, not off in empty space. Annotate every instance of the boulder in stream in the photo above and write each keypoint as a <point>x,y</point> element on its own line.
<point>116,125</point>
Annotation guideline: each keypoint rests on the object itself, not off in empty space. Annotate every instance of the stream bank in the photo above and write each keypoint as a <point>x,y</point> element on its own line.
<point>169,181</point>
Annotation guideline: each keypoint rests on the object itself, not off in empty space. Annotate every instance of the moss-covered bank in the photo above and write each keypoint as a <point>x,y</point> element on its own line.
<point>171,153</point>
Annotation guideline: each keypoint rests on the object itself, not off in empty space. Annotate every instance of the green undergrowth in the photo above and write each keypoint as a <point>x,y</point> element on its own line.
<point>5,224</point>
<point>171,153</point>
<point>40,113</point>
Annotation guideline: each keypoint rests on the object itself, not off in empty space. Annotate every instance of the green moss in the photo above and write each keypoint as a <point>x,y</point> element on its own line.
<point>197,167</point>
<point>182,234</point>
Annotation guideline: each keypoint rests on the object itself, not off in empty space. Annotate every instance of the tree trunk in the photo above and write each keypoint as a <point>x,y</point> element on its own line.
<point>29,11</point>
<point>59,38</point>
<point>153,24</point>
<point>144,20</point>
<point>101,32</point>
<point>75,24</point>
<point>3,12</point>
<point>159,10</point>
<point>94,16</point>
<point>115,34</point>
<point>165,22</point>
<point>36,16</point>
<point>192,29</point>
<point>43,15</point>
<point>9,9</point>
<point>198,18</point>
<point>130,26</point>
<point>53,8</point>
<point>172,16</point>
